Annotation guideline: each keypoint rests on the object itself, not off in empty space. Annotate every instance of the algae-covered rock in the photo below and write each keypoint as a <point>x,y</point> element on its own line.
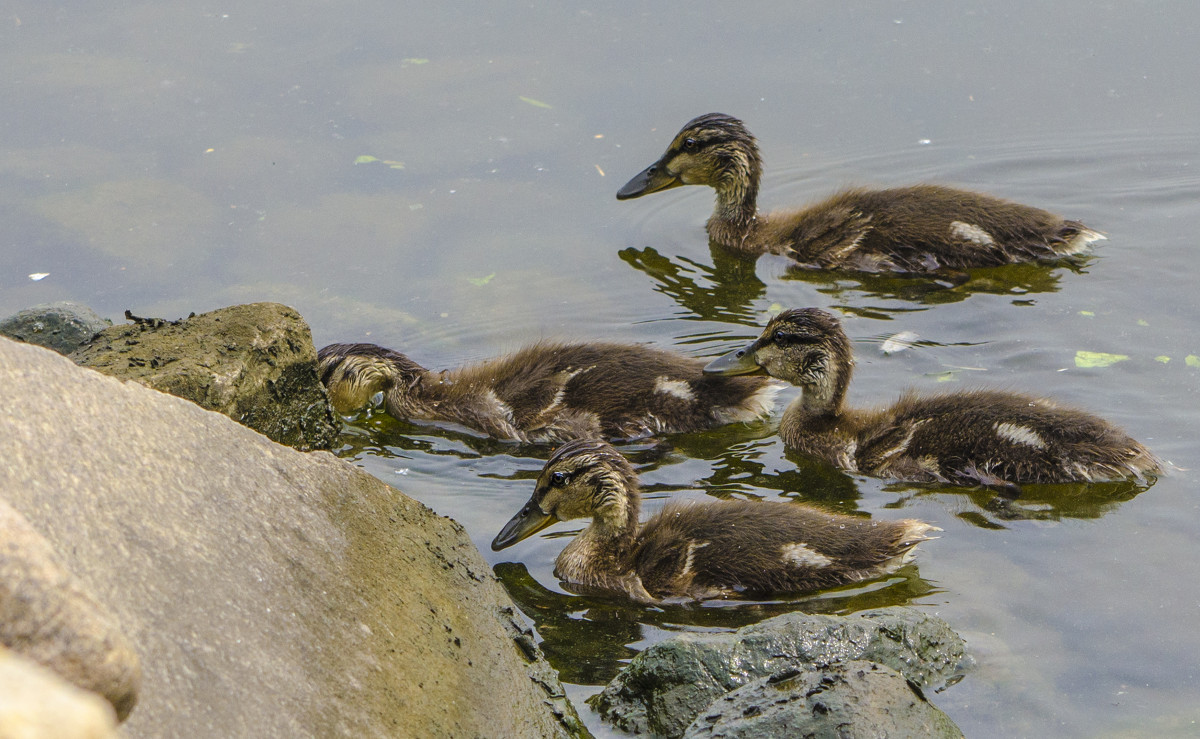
<point>62,326</point>
<point>666,686</point>
<point>855,700</point>
<point>269,592</point>
<point>47,616</point>
<point>35,703</point>
<point>255,363</point>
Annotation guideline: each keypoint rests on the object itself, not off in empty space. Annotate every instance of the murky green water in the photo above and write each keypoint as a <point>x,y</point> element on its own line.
<point>175,157</point>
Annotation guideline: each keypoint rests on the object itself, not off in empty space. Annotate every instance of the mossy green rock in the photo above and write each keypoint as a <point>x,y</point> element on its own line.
<point>666,686</point>
<point>255,363</point>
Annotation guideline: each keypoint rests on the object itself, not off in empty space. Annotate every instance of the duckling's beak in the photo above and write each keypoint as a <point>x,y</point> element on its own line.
<point>737,362</point>
<point>528,521</point>
<point>651,179</point>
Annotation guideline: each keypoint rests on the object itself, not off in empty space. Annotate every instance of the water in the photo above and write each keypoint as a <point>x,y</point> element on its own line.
<point>174,157</point>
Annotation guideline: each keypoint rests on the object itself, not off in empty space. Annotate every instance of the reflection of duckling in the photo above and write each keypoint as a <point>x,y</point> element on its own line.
<point>716,550</point>
<point>989,437</point>
<point>908,229</point>
<point>549,391</point>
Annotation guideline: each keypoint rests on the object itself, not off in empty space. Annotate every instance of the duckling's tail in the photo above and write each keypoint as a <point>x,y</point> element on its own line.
<point>353,373</point>
<point>913,533</point>
<point>1074,237</point>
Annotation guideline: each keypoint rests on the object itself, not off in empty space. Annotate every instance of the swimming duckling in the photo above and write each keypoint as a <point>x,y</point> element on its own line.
<point>697,550</point>
<point>964,438</point>
<point>908,229</point>
<point>549,391</point>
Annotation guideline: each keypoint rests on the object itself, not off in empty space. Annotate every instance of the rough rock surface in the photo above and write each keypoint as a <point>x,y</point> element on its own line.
<point>47,616</point>
<point>62,326</point>
<point>666,686</point>
<point>855,700</point>
<point>35,703</point>
<point>255,363</point>
<point>268,592</point>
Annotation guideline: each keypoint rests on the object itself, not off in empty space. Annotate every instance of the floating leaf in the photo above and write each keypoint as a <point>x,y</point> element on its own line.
<point>394,164</point>
<point>1192,360</point>
<point>38,276</point>
<point>1143,322</point>
<point>365,159</point>
<point>413,60</point>
<point>1162,358</point>
<point>481,281</point>
<point>1087,314</point>
<point>1097,359</point>
<point>898,342</point>
<point>535,103</point>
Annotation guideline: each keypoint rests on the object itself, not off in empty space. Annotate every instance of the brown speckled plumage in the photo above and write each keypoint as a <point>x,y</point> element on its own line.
<point>697,550</point>
<point>920,228</point>
<point>962,438</point>
<point>549,391</point>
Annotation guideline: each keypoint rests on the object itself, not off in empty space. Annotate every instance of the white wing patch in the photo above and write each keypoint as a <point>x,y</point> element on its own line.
<point>800,555</point>
<point>1019,435</point>
<point>971,233</point>
<point>679,388</point>
<point>691,555</point>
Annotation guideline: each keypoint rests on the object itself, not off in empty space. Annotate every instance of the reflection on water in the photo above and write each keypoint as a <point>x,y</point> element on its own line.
<point>729,290</point>
<point>587,638</point>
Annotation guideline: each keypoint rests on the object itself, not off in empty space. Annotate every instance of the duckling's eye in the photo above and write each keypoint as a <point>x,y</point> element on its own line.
<point>781,337</point>
<point>689,143</point>
<point>558,478</point>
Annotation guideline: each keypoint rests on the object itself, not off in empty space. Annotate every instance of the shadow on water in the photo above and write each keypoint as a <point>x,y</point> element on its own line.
<point>587,638</point>
<point>728,289</point>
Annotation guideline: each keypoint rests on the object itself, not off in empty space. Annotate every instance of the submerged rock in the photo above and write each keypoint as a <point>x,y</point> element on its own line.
<point>35,703</point>
<point>855,700</point>
<point>62,326</point>
<point>666,686</point>
<point>255,363</point>
<point>47,616</point>
<point>269,592</point>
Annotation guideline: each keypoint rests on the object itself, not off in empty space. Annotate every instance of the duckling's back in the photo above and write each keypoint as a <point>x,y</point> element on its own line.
<point>923,228</point>
<point>741,548</point>
<point>625,390</point>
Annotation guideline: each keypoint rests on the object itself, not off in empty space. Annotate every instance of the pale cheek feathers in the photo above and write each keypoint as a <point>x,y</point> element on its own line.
<point>799,555</point>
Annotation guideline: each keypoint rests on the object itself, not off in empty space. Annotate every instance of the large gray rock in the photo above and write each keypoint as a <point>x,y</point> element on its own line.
<point>35,703</point>
<point>47,616</point>
<point>666,686</point>
<point>268,592</point>
<point>62,326</point>
<point>855,700</point>
<point>255,363</point>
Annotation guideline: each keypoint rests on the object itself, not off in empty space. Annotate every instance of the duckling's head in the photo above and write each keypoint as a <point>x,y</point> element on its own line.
<point>353,373</point>
<point>803,346</point>
<point>714,150</point>
<point>585,478</point>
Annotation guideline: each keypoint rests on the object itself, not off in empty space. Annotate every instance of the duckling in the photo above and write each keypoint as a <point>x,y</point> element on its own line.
<point>549,391</point>
<point>984,437</point>
<point>694,550</point>
<point>921,228</point>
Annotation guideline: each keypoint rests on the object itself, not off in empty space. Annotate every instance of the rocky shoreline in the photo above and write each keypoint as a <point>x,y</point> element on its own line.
<point>203,579</point>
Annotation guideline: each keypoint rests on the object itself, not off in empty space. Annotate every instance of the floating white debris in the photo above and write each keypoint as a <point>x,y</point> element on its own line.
<point>925,142</point>
<point>898,342</point>
<point>39,276</point>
